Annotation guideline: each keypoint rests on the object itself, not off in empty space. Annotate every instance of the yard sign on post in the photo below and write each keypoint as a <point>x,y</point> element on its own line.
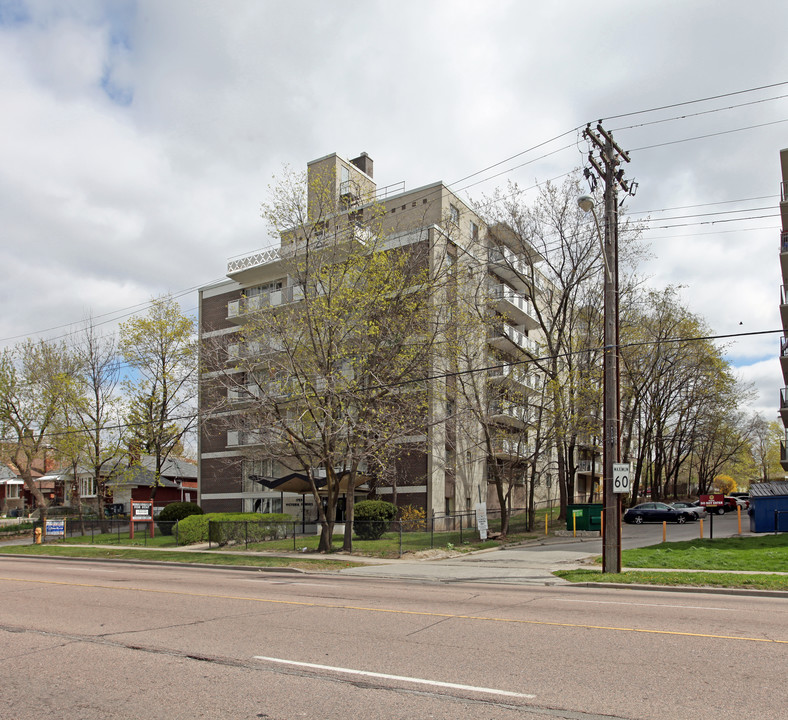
<point>141,511</point>
<point>481,520</point>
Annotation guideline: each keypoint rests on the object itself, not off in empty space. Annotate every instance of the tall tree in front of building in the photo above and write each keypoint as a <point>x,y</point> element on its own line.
<point>331,373</point>
<point>161,352</point>
<point>34,381</point>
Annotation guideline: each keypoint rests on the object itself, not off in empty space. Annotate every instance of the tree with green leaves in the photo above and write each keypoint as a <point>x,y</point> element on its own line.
<point>34,383</point>
<point>331,374</point>
<point>161,351</point>
<point>93,438</point>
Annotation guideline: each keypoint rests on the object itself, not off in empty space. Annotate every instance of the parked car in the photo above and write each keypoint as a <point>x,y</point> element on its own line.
<point>742,499</point>
<point>692,507</point>
<point>657,512</point>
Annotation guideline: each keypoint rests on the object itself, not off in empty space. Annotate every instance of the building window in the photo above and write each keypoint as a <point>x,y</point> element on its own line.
<point>253,469</point>
<point>12,491</point>
<point>454,214</point>
<point>87,487</point>
<point>474,231</point>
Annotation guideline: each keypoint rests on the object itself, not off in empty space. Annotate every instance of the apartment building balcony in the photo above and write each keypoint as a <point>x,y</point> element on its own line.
<point>515,449</point>
<point>784,255</point>
<point>253,349</point>
<point>510,339</point>
<point>240,310</point>
<point>784,406</point>
<point>784,358</point>
<point>511,413</point>
<point>247,393</point>
<point>515,374</point>
<point>509,266</point>
<point>784,307</point>
<point>591,467</point>
<point>514,306</point>
<point>783,456</point>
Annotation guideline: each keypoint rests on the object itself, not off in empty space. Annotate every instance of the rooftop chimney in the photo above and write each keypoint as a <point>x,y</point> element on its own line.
<point>364,163</point>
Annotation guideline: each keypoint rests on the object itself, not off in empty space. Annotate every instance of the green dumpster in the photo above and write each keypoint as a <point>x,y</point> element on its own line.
<point>588,516</point>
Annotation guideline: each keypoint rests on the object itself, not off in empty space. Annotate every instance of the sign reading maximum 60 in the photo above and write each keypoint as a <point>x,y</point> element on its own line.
<point>621,475</point>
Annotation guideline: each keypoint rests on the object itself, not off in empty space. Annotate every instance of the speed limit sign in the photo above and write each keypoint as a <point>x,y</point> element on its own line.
<point>621,474</point>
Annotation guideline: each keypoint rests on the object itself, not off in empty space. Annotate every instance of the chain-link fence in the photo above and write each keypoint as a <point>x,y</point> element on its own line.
<point>393,538</point>
<point>104,531</point>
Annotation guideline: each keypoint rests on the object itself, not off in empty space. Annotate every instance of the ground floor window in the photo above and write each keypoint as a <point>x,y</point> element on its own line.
<point>263,505</point>
<point>12,492</point>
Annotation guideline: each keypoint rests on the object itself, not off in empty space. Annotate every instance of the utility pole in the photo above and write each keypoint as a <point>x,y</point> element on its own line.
<point>605,157</point>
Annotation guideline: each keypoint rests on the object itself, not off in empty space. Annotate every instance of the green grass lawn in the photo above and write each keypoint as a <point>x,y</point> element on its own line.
<point>665,577</point>
<point>141,539</point>
<point>767,553</point>
<point>64,550</point>
<point>387,546</point>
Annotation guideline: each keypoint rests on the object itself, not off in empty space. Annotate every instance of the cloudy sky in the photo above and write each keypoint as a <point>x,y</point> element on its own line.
<point>137,139</point>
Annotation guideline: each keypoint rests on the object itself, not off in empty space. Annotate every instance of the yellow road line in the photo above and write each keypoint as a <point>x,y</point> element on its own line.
<point>390,611</point>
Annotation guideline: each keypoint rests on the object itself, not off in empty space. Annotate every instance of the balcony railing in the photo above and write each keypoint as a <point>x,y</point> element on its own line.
<point>513,448</point>
<point>783,242</point>
<point>256,259</point>
<point>352,232</point>
<point>513,335</point>
<point>516,374</point>
<point>589,466</point>
<point>521,413</point>
<point>255,303</point>
<point>244,394</point>
<point>522,303</point>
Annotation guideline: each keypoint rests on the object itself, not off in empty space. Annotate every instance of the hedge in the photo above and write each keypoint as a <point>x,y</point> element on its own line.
<point>194,529</point>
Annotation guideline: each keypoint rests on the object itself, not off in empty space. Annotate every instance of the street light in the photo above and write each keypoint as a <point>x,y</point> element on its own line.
<point>611,540</point>
<point>586,204</point>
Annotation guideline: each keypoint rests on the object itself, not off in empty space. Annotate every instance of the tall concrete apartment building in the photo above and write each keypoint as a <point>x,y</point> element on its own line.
<point>440,476</point>
<point>784,301</point>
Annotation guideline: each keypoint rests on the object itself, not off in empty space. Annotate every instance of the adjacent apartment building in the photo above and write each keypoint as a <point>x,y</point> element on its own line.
<point>784,301</point>
<point>451,463</point>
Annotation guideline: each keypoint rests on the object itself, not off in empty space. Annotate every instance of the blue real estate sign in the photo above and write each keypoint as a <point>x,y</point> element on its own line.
<point>56,528</point>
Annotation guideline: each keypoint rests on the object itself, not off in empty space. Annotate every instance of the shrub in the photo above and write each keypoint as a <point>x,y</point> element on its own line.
<point>413,518</point>
<point>174,512</point>
<point>371,518</point>
<point>194,529</point>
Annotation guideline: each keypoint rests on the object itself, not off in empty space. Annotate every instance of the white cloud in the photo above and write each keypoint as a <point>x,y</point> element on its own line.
<point>138,138</point>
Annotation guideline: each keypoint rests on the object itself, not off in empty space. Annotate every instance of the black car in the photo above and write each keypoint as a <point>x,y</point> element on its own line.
<point>657,512</point>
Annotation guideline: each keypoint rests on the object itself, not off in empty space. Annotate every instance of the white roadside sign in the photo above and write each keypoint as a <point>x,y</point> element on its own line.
<point>481,520</point>
<point>621,477</point>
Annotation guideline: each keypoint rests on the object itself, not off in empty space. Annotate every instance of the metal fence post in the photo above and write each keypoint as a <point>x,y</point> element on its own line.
<point>460,529</point>
<point>246,534</point>
<point>432,532</point>
<point>294,534</point>
<point>400,538</point>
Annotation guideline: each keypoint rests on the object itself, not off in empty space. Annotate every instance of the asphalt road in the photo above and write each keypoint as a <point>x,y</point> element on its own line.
<point>110,640</point>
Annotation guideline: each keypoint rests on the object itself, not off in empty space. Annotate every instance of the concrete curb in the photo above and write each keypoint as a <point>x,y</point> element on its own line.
<point>684,589</point>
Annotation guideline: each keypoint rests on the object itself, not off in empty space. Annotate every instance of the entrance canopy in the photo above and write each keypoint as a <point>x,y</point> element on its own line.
<point>297,482</point>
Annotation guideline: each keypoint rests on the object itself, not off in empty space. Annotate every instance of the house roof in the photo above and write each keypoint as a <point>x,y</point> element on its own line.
<point>172,467</point>
<point>140,477</point>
